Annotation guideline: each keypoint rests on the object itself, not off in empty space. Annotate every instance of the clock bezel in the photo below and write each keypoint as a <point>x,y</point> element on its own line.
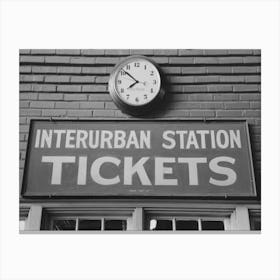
<point>130,108</point>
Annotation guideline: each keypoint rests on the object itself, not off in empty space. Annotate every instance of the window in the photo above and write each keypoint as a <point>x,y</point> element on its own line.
<point>255,219</point>
<point>79,224</point>
<point>192,224</point>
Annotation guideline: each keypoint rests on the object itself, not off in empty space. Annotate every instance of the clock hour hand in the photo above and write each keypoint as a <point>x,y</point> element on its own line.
<point>132,85</point>
<point>130,76</point>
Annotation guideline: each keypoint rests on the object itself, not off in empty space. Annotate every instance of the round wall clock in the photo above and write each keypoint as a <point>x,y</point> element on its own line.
<point>136,85</point>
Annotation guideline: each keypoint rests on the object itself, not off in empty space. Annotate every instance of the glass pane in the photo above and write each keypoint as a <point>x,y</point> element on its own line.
<point>187,225</point>
<point>115,225</point>
<point>212,225</point>
<point>64,225</point>
<point>255,223</point>
<point>160,224</point>
<point>89,224</point>
<point>21,225</point>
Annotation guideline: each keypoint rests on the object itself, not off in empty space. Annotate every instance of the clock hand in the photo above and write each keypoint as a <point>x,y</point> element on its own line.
<point>132,85</point>
<point>130,75</point>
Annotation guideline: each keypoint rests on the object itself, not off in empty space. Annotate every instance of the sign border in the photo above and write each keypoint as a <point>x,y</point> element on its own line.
<point>254,194</point>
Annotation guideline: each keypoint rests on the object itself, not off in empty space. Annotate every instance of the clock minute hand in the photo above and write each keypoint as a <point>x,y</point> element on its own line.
<point>130,76</point>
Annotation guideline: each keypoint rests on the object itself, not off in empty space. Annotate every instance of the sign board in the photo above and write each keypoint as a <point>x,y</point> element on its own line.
<point>138,158</point>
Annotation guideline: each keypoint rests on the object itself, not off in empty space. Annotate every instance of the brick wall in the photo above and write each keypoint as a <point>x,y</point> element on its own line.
<point>202,84</point>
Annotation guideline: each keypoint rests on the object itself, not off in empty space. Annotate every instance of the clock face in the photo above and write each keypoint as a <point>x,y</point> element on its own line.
<point>137,82</point>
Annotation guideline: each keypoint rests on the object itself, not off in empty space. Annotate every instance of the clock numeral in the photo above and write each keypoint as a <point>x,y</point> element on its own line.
<point>136,99</point>
<point>119,82</point>
<point>145,67</point>
<point>123,73</point>
<point>152,73</point>
<point>127,67</point>
<point>127,96</point>
<point>152,90</point>
<point>154,82</point>
<point>137,64</point>
<point>145,96</point>
<point>122,90</point>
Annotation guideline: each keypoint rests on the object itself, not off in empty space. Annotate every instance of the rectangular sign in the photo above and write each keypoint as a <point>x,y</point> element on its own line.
<point>138,158</point>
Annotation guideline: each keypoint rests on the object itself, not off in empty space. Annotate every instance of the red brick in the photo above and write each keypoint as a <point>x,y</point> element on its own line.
<point>57,59</point>
<point>229,113</point>
<point>206,79</point>
<point>31,78</point>
<point>102,80</point>
<point>41,104</point>
<point>28,96</point>
<point>24,51</point>
<point>215,52</point>
<point>53,96</point>
<point>199,97</point>
<point>212,105</point>
<point>25,69</point>
<point>197,88</point>
<point>31,59</point>
<point>252,59</point>
<point>252,113</point>
<point>237,105</point>
<point>67,105</point>
<point>176,113</point>
<point>230,60</point>
<point>79,113</point>
<point>25,87</point>
<point>107,60</point>
<point>110,105</point>
<point>117,52</point>
<point>181,60</point>
<point>94,88</point>
<point>69,88</point>
<point>44,87</point>
<point>250,96</point>
<point>44,69</point>
<point>53,112</point>
<point>142,51</point>
<point>190,52</point>
<point>94,70</point>
<point>100,97</point>
<point>43,51</point>
<point>245,69</point>
<point>24,104</point>
<point>171,70</point>
<point>160,60</point>
<point>67,52</point>
<point>92,52</point>
<point>246,88</point>
<point>255,105</point>
<point>194,70</point>
<point>253,79</point>
<point>181,79</point>
<point>69,70</point>
<point>219,88</point>
<point>30,112</point>
<point>202,113</point>
<point>57,79</point>
<point>103,113</point>
<point>166,52</point>
<point>184,105</point>
<point>83,60</point>
<point>92,105</point>
<point>239,52</point>
<point>83,79</point>
<point>206,60</point>
<point>70,97</point>
<point>226,97</point>
<point>232,79</point>
<point>219,70</point>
